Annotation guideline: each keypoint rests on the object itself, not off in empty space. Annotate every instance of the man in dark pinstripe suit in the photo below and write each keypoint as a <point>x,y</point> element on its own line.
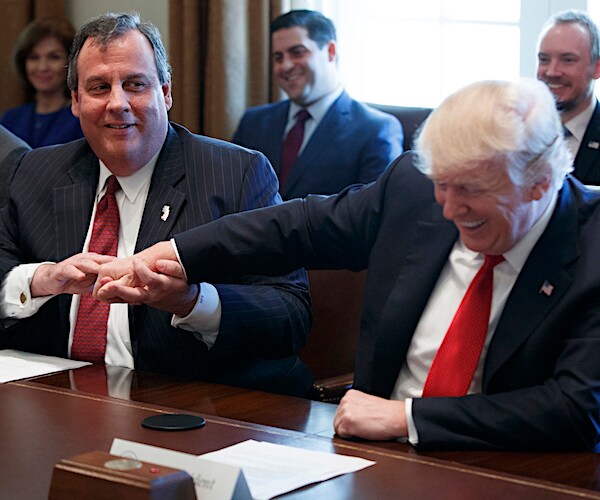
<point>240,329</point>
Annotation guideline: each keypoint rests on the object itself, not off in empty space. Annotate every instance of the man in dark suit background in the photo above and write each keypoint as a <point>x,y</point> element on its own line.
<point>491,185</point>
<point>345,142</point>
<point>569,63</point>
<point>11,150</point>
<point>241,329</point>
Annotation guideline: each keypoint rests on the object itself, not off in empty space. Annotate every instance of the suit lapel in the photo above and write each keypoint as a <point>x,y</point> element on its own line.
<point>73,205</point>
<point>587,161</point>
<point>334,121</point>
<point>415,281</point>
<point>164,202</point>
<point>531,299</point>
<point>277,122</point>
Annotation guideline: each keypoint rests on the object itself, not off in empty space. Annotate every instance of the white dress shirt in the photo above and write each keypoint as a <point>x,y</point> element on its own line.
<point>204,320</point>
<point>452,284</point>
<point>577,127</point>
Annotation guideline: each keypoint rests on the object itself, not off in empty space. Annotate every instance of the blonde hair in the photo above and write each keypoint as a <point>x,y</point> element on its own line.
<point>514,123</point>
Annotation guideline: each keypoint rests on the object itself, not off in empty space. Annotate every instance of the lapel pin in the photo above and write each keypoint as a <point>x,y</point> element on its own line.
<point>547,288</point>
<point>594,144</point>
<point>165,212</point>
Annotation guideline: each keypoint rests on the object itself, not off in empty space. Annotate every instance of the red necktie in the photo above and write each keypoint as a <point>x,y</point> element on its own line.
<point>89,338</point>
<point>456,360</point>
<point>291,146</point>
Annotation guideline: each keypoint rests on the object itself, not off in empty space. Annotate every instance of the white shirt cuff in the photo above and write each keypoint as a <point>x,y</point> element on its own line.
<point>413,435</point>
<point>205,318</point>
<point>174,245</point>
<point>15,295</point>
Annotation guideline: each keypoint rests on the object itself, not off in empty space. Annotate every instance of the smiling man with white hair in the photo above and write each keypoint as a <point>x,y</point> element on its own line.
<point>481,319</point>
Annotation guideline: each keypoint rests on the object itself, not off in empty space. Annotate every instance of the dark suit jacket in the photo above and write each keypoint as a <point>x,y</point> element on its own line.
<point>11,150</point>
<point>264,320</point>
<point>353,144</point>
<point>541,380</point>
<point>587,160</point>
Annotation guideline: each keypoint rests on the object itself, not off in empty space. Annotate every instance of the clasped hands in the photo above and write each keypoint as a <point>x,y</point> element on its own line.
<point>153,277</point>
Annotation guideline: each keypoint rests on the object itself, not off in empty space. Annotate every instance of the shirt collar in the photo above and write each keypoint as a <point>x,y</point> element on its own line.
<point>318,108</point>
<point>131,185</point>
<point>578,124</point>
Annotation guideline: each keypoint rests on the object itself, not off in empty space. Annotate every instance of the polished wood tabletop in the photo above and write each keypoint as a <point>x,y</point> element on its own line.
<point>295,420</point>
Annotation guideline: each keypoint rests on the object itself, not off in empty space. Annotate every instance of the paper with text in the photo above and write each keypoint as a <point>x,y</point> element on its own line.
<point>273,469</point>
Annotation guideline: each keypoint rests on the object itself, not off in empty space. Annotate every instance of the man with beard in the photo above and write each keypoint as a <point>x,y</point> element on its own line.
<point>569,63</point>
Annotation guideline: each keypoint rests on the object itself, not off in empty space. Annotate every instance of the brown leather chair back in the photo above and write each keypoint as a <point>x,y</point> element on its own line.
<point>337,297</point>
<point>410,117</point>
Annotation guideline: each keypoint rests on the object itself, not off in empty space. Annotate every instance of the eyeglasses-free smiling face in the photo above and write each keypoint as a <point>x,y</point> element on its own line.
<point>120,102</point>
<point>46,66</point>
<point>565,65</point>
<point>302,69</point>
<point>490,212</point>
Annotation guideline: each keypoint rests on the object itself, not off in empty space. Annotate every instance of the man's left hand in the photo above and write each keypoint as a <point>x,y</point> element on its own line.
<point>370,417</point>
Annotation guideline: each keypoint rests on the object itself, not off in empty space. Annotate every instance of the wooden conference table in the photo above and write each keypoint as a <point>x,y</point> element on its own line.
<point>53,417</point>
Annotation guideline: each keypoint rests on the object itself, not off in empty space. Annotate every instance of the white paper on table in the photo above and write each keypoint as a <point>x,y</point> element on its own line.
<point>15,365</point>
<point>273,469</point>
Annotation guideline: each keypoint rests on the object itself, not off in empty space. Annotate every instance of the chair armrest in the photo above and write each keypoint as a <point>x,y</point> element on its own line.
<point>332,389</point>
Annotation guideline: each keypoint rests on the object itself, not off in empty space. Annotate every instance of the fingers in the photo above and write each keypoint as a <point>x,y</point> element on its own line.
<point>343,420</point>
<point>165,292</point>
<point>170,268</point>
<point>116,292</point>
<point>74,275</point>
<point>370,417</point>
<point>112,270</point>
<point>141,280</point>
<point>140,286</point>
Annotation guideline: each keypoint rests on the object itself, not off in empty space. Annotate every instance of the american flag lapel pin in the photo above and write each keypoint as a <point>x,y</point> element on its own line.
<point>593,144</point>
<point>547,288</point>
<point>165,212</point>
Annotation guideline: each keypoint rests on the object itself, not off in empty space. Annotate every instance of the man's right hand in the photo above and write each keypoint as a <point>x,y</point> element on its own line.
<point>75,275</point>
<point>122,269</point>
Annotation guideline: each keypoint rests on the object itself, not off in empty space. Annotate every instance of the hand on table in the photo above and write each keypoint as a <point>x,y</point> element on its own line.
<point>370,417</point>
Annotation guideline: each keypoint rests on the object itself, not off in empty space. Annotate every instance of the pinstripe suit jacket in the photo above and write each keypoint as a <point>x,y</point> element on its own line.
<point>264,320</point>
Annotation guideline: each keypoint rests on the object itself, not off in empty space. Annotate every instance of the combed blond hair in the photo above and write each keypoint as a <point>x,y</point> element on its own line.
<point>512,123</point>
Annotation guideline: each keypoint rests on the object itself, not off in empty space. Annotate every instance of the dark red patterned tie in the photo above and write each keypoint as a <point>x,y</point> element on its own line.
<point>456,360</point>
<point>89,338</point>
<point>291,146</point>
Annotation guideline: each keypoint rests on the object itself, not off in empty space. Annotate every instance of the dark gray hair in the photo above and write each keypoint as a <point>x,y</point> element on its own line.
<point>110,26</point>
